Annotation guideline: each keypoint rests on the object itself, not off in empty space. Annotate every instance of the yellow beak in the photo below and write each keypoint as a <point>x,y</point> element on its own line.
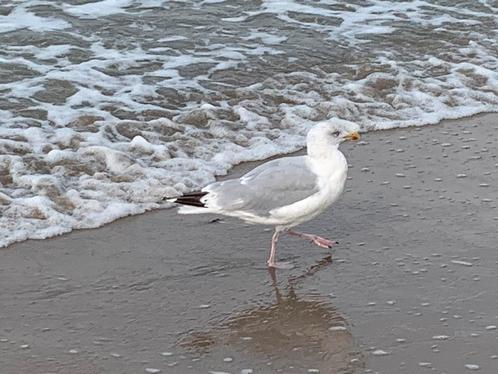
<point>353,136</point>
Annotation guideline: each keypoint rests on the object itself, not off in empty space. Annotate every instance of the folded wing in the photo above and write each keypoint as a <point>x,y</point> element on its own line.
<point>272,185</point>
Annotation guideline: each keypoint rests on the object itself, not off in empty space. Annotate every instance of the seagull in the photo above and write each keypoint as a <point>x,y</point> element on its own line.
<point>284,192</point>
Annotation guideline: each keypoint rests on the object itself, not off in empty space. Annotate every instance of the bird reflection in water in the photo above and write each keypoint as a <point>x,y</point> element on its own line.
<point>292,334</point>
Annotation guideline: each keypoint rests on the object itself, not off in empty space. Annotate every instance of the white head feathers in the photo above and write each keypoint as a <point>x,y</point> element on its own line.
<point>326,136</point>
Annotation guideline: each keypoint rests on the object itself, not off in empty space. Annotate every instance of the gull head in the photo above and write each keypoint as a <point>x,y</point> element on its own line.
<point>327,135</point>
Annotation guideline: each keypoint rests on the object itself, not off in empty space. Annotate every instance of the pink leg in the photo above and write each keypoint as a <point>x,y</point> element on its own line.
<point>273,250</point>
<point>319,241</point>
<point>273,254</point>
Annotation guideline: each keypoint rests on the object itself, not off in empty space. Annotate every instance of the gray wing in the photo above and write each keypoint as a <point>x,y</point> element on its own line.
<point>271,185</point>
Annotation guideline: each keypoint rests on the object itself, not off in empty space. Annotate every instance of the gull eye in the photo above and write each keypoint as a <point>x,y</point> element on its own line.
<point>336,133</point>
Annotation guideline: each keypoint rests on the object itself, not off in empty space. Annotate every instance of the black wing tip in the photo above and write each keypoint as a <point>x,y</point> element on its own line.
<point>192,199</point>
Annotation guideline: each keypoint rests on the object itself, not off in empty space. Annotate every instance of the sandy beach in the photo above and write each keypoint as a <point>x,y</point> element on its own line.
<point>411,288</point>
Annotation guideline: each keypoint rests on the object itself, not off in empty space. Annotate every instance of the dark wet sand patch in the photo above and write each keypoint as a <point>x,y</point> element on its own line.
<point>411,287</point>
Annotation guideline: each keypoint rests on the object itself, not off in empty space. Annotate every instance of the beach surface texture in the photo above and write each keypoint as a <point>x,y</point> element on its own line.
<point>410,288</point>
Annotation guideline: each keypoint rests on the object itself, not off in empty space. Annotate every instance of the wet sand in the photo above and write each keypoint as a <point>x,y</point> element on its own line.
<point>412,287</point>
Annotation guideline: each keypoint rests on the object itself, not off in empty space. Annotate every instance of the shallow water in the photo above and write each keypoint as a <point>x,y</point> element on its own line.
<point>411,287</point>
<point>108,106</point>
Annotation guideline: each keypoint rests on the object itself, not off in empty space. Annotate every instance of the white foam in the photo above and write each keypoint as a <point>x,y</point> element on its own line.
<point>20,18</point>
<point>52,51</point>
<point>212,1</point>
<point>98,9</point>
<point>265,37</point>
<point>172,38</point>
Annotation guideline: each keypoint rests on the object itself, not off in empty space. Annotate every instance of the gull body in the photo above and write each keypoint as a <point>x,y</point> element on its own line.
<point>284,192</point>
